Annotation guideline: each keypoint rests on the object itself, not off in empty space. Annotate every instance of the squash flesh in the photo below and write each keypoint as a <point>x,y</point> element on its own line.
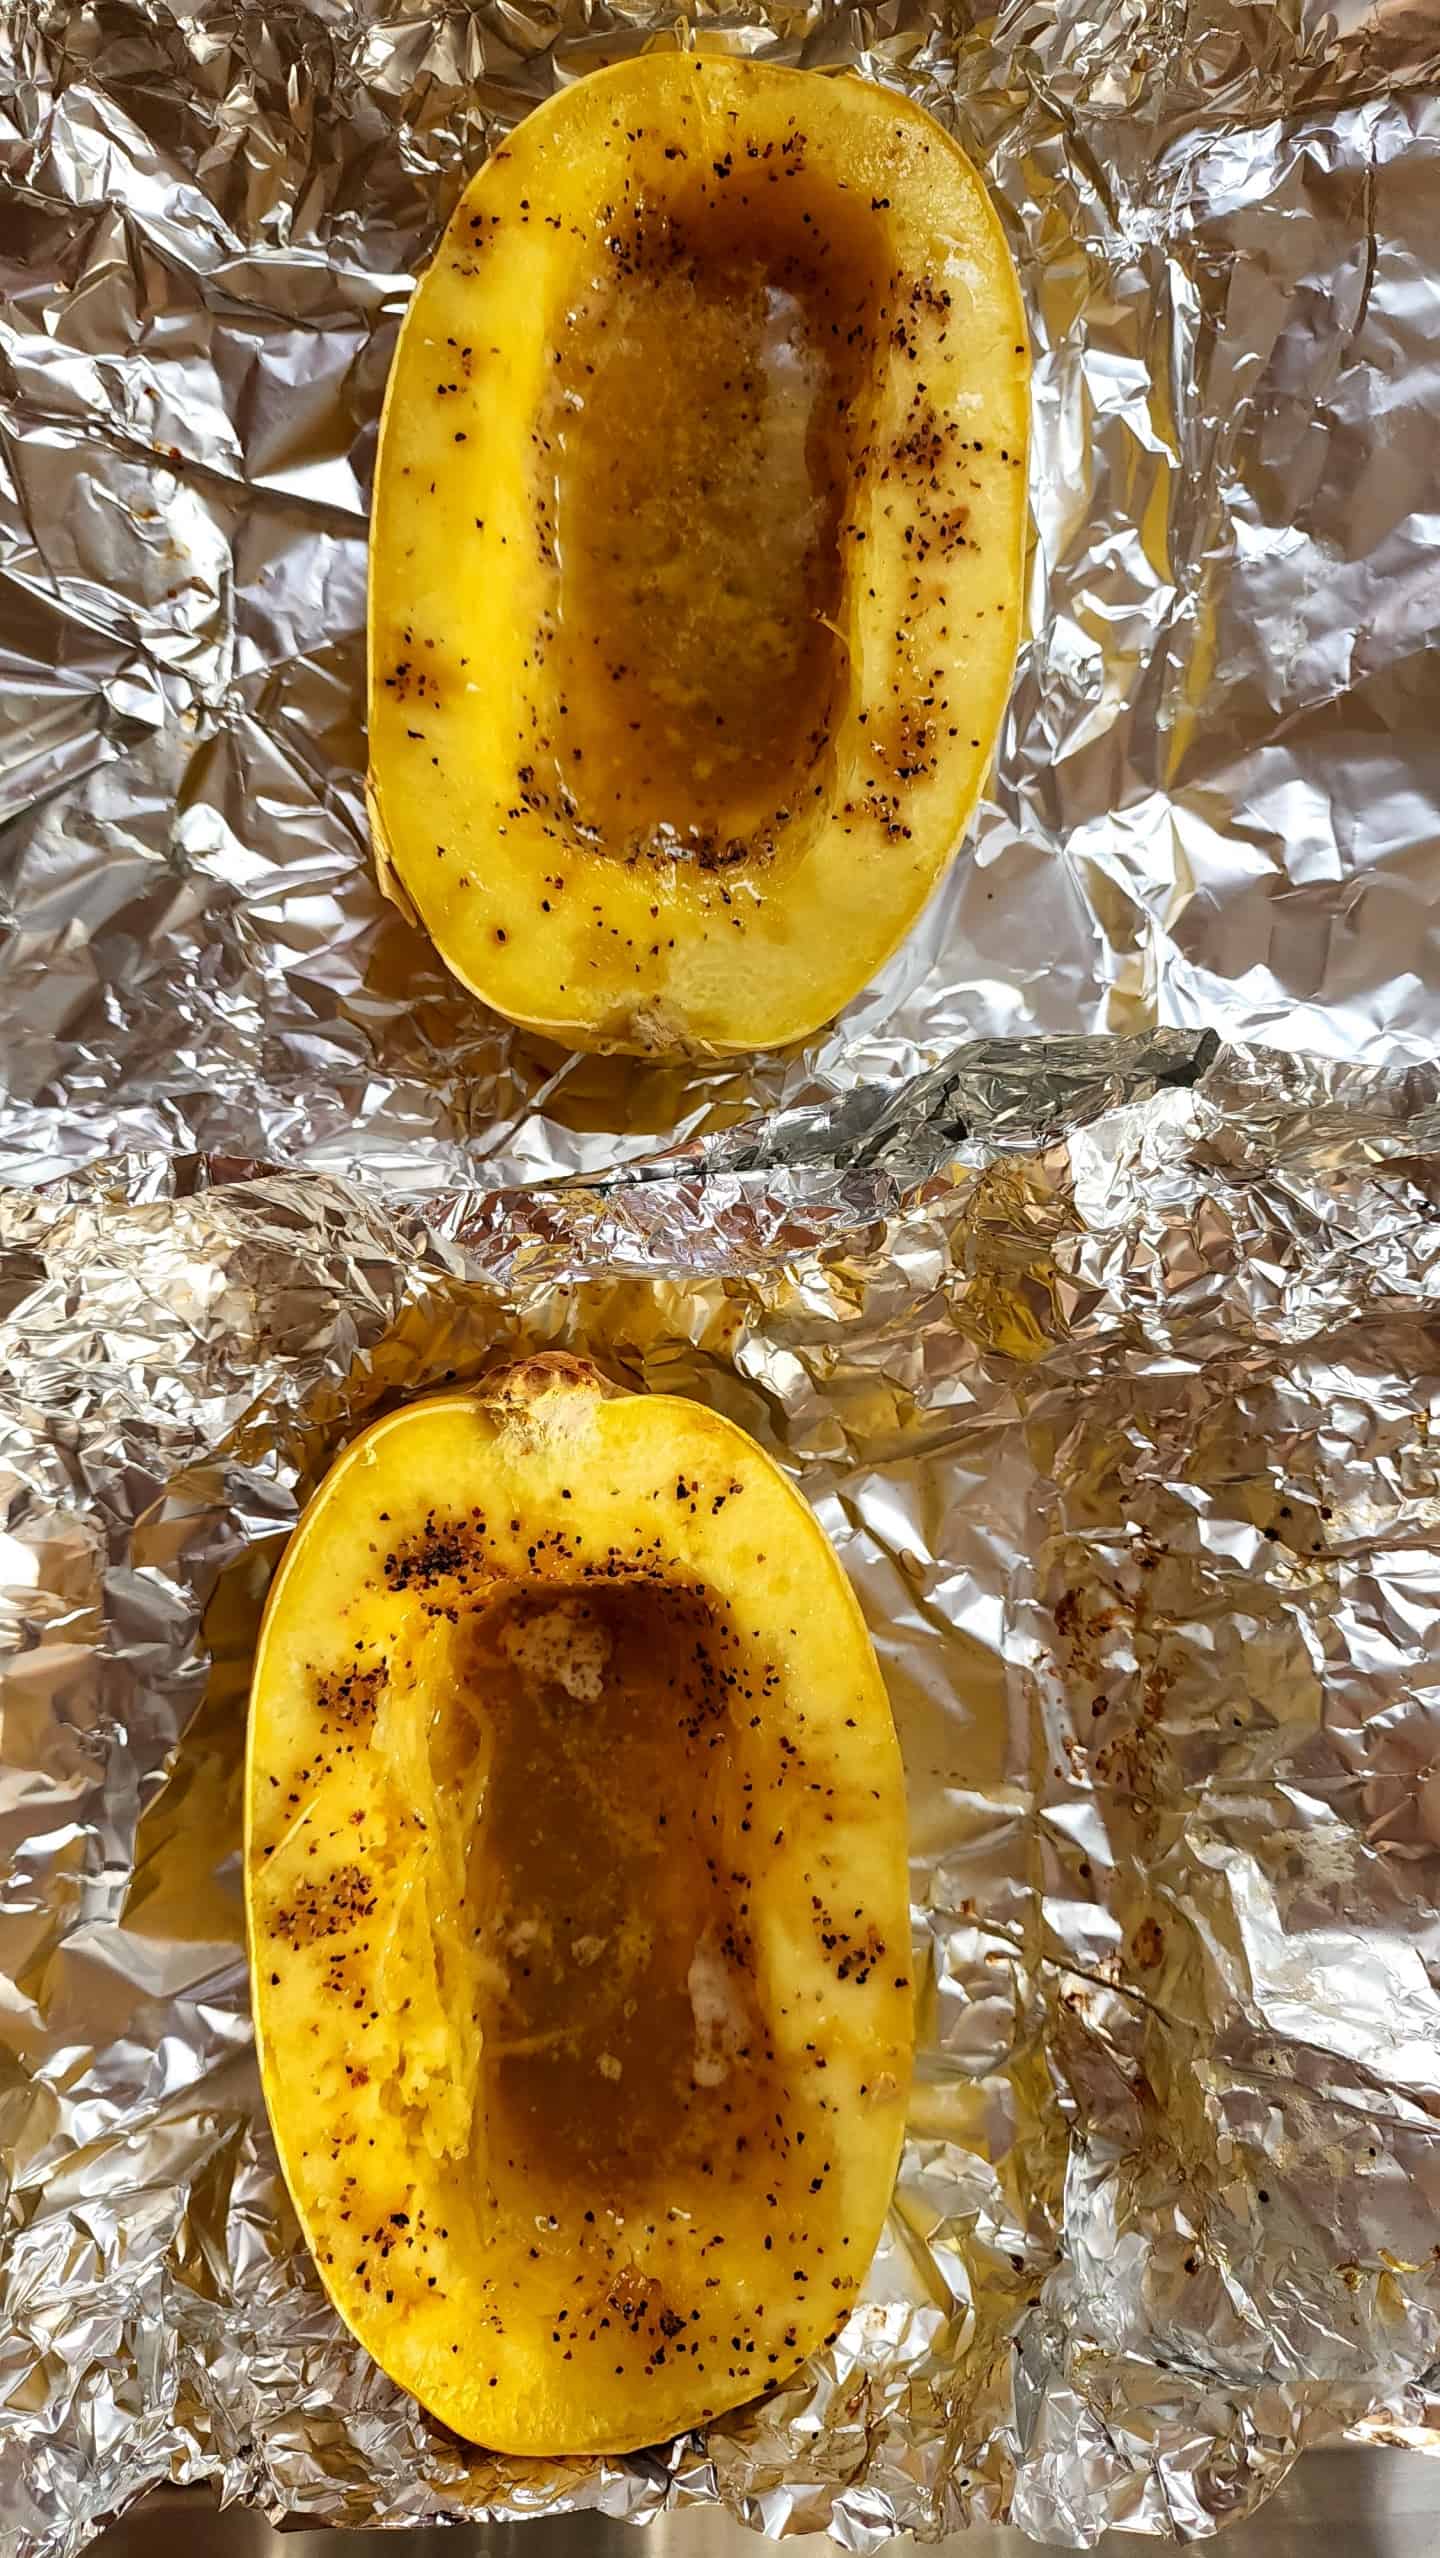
<point>575,1866</point>
<point>698,516</point>
<point>698,540</point>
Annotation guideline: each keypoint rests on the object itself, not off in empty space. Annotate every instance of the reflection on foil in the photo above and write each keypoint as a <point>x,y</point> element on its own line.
<point>1218,787</point>
<point>1112,1373</point>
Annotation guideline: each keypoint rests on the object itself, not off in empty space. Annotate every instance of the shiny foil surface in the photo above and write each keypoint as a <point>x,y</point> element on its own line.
<point>1218,787</point>
<point>1110,1364</point>
<point>1111,1369</point>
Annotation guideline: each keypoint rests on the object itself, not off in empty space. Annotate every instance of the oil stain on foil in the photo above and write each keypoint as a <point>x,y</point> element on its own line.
<point>1113,1378</point>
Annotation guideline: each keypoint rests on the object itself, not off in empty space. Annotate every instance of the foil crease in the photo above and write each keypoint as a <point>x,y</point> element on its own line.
<point>1216,792</point>
<point>1111,1371</point>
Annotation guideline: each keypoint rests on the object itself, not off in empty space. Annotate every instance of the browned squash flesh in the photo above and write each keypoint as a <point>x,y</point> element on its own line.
<point>699,510</point>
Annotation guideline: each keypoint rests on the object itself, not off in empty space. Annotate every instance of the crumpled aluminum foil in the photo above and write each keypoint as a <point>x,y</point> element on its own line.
<point>1216,793</point>
<point>1111,1371</point>
<point>1109,1364</point>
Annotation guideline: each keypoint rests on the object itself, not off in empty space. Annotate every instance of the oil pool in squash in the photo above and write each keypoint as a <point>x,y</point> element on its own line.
<point>697,553</point>
<point>575,1866</point>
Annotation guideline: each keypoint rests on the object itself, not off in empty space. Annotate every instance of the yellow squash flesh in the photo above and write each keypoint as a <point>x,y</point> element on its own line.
<point>576,1879</point>
<point>697,553</point>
